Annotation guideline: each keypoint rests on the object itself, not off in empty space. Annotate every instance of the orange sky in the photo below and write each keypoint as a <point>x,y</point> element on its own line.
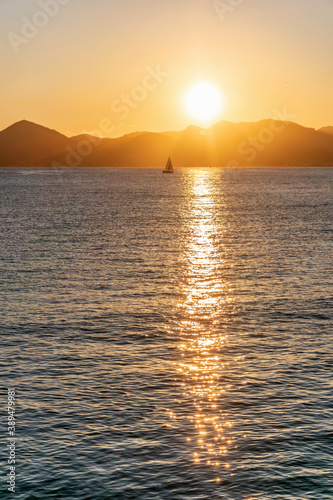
<point>117,66</point>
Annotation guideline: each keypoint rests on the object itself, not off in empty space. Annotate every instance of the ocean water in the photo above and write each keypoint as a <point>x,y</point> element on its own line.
<point>168,337</point>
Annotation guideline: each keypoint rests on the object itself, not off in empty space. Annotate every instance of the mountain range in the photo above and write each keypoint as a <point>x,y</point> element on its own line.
<point>262,143</point>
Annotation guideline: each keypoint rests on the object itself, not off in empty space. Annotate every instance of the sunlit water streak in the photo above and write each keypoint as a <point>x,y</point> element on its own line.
<point>206,295</point>
<point>168,338</point>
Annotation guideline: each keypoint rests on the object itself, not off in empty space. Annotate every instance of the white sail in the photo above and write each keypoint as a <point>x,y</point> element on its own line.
<point>169,166</point>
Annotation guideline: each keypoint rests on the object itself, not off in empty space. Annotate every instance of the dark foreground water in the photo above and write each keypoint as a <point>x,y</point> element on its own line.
<point>168,337</point>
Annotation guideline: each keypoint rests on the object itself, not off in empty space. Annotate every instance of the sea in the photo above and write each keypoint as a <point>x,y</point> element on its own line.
<point>167,337</point>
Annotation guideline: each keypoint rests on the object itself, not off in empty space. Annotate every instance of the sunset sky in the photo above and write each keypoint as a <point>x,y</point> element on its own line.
<point>128,63</point>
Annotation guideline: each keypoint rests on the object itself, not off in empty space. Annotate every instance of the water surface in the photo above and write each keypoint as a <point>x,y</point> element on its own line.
<point>169,337</point>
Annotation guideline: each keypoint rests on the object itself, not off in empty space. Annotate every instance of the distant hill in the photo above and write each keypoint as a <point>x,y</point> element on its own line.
<point>326,130</point>
<point>263,143</point>
<point>26,144</point>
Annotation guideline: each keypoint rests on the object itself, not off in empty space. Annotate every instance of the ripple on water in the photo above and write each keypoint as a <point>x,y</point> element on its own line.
<point>169,338</point>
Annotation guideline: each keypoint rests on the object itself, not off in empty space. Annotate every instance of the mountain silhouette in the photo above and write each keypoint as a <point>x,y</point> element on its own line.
<point>262,143</point>
<point>326,130</point>
<point>26,144</point>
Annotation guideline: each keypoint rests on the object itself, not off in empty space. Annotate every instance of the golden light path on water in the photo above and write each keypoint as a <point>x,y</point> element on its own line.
<point>206,295</point>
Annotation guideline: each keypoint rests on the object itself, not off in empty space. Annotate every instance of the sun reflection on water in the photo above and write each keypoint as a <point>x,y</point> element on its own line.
<point>205,296</point>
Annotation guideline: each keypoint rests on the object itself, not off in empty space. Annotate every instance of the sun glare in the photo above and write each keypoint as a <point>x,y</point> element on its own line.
<point>203,102</point>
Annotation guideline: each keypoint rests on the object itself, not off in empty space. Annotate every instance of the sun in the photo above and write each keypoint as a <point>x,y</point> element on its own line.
<point>203,102</point>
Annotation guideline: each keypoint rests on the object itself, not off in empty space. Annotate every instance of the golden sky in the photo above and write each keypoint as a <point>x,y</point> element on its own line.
<point>118,66</point>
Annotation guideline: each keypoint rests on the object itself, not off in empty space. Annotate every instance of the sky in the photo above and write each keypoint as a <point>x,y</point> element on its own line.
<point>112,67</point>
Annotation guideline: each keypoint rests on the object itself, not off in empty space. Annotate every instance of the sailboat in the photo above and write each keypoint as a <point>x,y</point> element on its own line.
<point>169,167</point>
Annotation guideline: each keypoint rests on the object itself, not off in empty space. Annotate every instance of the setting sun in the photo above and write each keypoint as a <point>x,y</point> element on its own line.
<point>203,102</point>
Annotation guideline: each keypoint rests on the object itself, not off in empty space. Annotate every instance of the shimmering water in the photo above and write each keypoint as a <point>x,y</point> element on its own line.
<point>169,337</point>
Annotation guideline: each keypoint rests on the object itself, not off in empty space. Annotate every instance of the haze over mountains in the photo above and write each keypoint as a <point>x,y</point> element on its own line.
<point>263,143</point>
